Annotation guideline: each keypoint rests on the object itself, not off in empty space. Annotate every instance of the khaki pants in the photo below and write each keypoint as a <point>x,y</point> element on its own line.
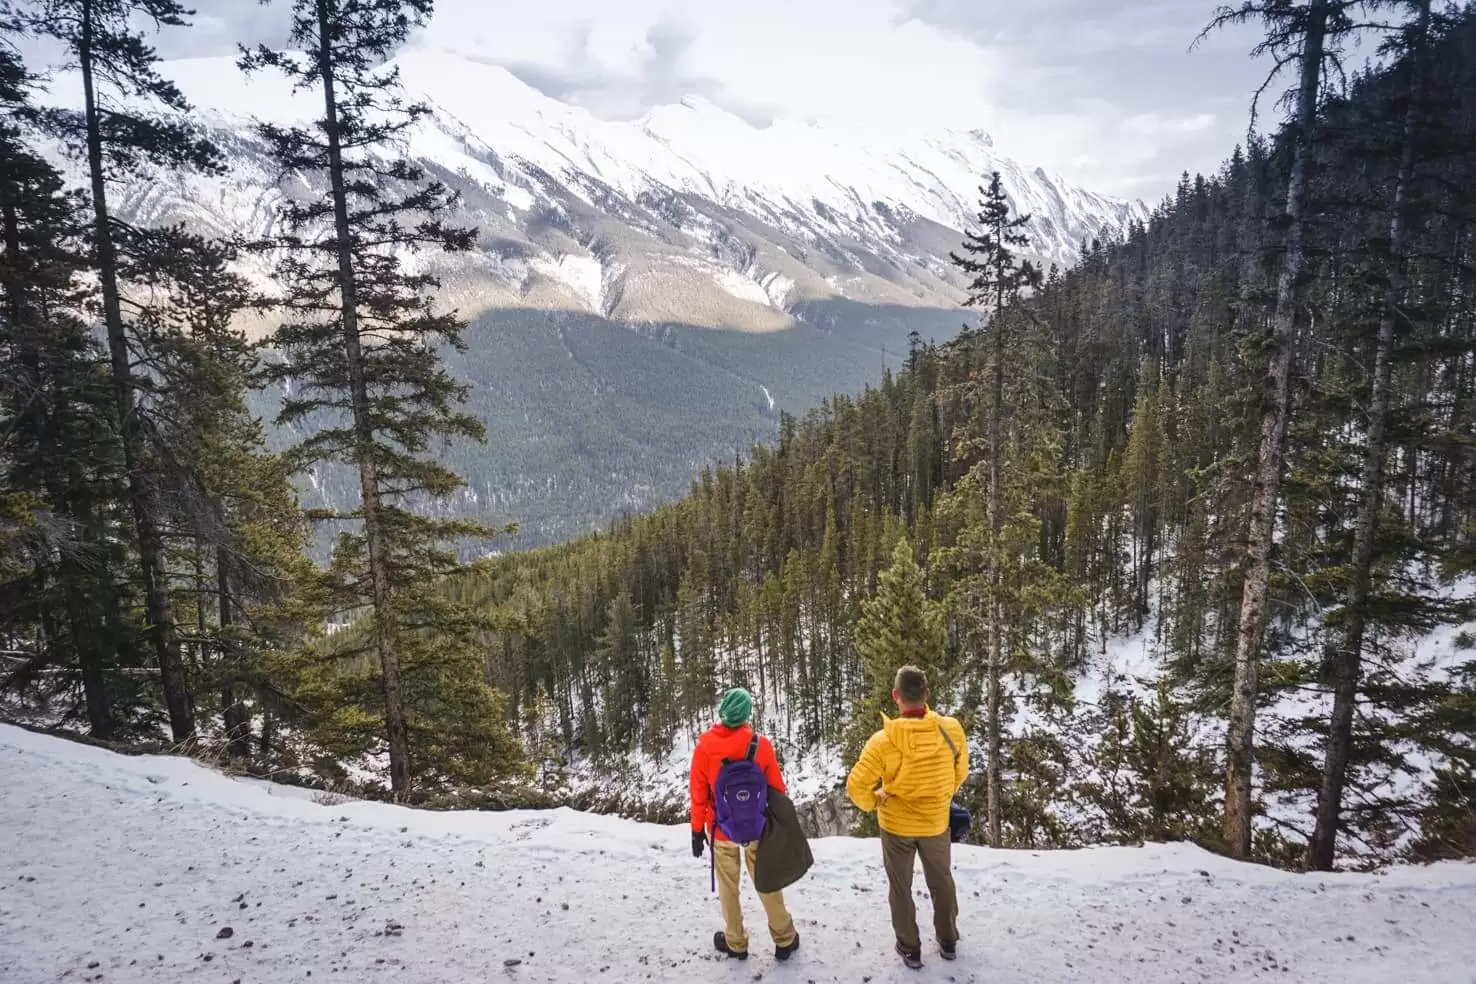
<point>781,925</point>
<point>937,864</point>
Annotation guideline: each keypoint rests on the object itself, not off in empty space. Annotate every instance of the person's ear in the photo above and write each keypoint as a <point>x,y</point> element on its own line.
<point>896,697</point>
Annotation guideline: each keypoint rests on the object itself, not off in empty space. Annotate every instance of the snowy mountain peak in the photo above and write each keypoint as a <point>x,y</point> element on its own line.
<point>688,214</point>
<point>705,107</point>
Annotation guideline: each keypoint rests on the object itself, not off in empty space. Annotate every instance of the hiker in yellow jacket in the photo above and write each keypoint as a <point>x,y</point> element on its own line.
<point>909,773</point>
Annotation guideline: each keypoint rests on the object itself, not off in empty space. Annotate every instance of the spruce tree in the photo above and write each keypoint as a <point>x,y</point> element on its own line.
<point>1150,781</point>
<point>617,651</point>
<point>1347,660</point>
<point>234,521</point>
<point>1141,481</point>
<point>898,627</point>
<point>999,279</point>
<point>57,452</point>
<point>360,345</point>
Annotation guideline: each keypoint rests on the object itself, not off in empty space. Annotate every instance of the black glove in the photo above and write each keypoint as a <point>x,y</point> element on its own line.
<point>699,841</point>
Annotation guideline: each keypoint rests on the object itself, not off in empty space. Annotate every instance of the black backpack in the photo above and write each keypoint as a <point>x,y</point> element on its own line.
<point>959,819</point>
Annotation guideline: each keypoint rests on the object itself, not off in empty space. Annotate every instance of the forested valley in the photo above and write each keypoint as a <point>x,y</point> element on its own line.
<point>1132,392</point>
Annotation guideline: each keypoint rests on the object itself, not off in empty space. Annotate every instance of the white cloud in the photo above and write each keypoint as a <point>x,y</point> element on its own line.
<point>843,62</point>
<point>1104,91</point>
<point>1157,124</point>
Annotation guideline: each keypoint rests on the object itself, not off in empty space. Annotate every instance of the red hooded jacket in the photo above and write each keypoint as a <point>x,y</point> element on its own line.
<point>722,742</point>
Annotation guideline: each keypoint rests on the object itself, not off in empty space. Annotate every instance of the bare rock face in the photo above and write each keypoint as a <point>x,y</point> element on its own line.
<point>828,815</point>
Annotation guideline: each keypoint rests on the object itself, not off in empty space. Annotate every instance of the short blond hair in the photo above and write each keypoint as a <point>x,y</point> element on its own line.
<point>911,685</point>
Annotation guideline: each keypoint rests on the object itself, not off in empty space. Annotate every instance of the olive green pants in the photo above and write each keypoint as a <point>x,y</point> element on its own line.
<point>726,855</point>
<point>898,854</point>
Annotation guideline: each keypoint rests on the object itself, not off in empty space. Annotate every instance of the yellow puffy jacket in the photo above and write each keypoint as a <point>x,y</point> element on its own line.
<point>910,760</point>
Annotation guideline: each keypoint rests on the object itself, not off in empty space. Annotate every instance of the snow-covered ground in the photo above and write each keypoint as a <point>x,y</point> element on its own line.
<point>157,870</point>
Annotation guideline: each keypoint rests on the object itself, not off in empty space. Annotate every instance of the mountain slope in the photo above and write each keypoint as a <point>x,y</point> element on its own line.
<point>779,264</point>
<point>156,870</point>
<point>687,215</point>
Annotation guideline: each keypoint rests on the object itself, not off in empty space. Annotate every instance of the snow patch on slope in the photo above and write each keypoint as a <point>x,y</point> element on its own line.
<point>583,276</point>
<point>743,287</point>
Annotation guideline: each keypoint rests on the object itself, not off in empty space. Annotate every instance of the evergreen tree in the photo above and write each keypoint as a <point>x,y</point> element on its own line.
<point>117,68</point>
<point>898,627</point>
<point>56,443</point>
<point>233,516</point>
<point>999,278</point>
<point>1347,660</point>
<point>359,343</point>
<point>617,650</point>
<point>1142,486</point>
<point>1151,782</point>
<point>1299,33</point>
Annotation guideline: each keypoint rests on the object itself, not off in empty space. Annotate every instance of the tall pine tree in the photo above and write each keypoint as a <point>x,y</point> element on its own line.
<point>999,278</point>
<point>57,447</point>
<point>1347,659</point>
<point>360,347</point>
<point>117,69</point>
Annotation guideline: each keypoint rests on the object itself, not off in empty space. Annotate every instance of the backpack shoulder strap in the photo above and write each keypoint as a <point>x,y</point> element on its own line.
<point>948,741</point>
<point>752,747</point>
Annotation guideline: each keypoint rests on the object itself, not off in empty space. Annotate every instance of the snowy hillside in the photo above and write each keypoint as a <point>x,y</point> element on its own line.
<point>1123,668</point>
<point>142,869</point>
<point>687,215</point>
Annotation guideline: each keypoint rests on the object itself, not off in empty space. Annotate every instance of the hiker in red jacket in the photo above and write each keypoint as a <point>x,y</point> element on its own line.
<point>732,740</point>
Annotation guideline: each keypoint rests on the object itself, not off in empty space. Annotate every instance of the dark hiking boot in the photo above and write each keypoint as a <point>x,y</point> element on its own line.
<point>720,944</point>
<point>783,953</point>
<point>911,958</point>
<point>949,951</point>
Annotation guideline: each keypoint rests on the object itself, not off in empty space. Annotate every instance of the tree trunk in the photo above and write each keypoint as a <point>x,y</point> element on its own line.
<point>202,614</point>
<point>236,715</point>
<point>996,571</point>
<point>161,628</point>
<point>90,654</point>
<point>1347,661</point>
<point>268,735</point>
<point>1145,567</point>
<point>1275,415</point>
<point>374,534</point>
<point>992,723</point>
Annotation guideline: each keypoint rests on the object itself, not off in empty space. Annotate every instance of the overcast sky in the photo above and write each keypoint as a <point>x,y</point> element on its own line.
<point>1105,91</point>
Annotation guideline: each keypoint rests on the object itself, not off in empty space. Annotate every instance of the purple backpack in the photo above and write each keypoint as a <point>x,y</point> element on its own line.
<point>741,793</point>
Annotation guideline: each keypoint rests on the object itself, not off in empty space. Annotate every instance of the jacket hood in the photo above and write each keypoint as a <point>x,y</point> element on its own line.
<point>902,731</point>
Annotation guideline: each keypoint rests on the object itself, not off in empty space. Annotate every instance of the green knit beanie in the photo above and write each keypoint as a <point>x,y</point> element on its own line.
<point>736,708</point>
